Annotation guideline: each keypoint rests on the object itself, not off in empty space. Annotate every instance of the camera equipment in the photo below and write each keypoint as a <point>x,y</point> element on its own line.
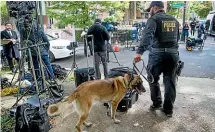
<point>21,8</point>
<point>110,49</point>
<point>31,45</point>
<point>110,26</point>
<point>30,118</point>
<point>73,45</point>
<point>85,74</point>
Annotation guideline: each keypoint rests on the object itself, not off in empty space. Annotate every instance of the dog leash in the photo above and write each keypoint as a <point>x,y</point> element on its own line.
<point>148,73</point>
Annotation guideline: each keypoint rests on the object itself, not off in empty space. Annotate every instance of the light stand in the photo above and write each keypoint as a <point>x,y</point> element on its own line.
<point>73,45</point>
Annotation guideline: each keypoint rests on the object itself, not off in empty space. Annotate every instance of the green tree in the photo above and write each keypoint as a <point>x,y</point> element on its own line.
<point>201,8</point>
<point>173,11</point>
<point>140,6</point>
<point>82,13</point>
<point>4,13</point>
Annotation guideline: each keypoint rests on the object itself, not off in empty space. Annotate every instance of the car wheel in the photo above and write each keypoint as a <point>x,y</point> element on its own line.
<point>51,56</point>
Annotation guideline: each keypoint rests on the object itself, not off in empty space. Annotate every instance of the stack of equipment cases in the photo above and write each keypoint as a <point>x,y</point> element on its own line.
<point>131,96</point>
<point>85,74</point>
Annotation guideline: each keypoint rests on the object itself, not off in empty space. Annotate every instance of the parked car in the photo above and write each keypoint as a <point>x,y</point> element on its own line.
<point>60,48</point>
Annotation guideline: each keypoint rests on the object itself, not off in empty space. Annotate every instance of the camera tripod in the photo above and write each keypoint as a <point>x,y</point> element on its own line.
<point>21,67</point>
<point>110,49</point>
<point>108,52</point>
<point>40,84</point>
<point>74,64</point>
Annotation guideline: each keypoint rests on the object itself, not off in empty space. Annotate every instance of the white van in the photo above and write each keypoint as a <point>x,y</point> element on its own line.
<point>211,17</point>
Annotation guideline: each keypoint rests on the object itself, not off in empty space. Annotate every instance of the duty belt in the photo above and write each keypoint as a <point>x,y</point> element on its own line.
<point>167,50</point>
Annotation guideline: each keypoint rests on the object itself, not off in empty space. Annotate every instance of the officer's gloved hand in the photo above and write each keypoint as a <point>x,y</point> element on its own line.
<point>137,58</point>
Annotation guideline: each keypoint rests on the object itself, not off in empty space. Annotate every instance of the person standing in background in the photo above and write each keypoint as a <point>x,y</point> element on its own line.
<point>11,49</point>
<point>100,35</point>
<point>186,31</point>
<point>193,26</point>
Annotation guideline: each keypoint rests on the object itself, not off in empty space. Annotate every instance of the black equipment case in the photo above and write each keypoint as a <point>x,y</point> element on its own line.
<point>85,74</point>
<point>81,75</point>
<point>131,96</point>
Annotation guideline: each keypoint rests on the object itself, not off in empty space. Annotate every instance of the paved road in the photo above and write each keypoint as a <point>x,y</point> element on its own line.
<point>197,63</point>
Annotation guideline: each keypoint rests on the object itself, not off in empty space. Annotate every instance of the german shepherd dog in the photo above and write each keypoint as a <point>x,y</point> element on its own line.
<point>111,90</point>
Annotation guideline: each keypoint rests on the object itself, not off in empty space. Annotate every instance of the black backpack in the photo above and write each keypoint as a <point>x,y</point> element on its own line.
<point>30,118</point>
<point>59,72</point>
<point>5,83</point>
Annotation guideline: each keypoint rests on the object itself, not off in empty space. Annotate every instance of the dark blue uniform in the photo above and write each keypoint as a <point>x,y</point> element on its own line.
<point>160,37</point>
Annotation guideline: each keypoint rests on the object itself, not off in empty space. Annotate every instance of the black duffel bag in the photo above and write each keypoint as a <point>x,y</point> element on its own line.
<point>30,118</point>
<point>131,96</point>
<point>120,71</point>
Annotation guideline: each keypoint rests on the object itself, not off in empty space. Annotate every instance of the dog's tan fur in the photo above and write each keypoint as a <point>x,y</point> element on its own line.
<point>113,89</point>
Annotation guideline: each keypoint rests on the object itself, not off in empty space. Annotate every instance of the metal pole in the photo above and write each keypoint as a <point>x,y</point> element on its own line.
<point>41,15</point>
<point>184,16</point>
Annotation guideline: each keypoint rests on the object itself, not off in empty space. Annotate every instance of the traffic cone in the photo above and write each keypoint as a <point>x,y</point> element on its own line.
<point>116,47</point>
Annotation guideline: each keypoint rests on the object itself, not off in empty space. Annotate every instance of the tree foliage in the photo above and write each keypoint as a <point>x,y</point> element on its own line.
<point>82,13</point>
<point>4,13</point>
<point>140,5</point>
<point>201,8</point>
<point>173,11</point>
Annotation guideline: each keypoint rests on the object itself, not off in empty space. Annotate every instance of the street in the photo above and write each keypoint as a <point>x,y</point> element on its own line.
<point>197,63</point>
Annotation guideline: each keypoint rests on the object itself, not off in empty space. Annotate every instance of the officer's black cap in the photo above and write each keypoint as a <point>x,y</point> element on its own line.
<point>155,3</point>
<point>97,21</point>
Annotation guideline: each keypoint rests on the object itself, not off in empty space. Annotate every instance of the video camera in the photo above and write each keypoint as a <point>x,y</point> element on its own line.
<point>73,44</point>
<point>110,26</point>
<point>21,10</point>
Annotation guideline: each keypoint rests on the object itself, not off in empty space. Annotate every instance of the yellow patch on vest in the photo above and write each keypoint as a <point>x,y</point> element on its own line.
<point>168,26</point>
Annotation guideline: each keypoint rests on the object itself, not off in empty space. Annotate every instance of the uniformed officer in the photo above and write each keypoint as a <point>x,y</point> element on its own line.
<point>160,37</point>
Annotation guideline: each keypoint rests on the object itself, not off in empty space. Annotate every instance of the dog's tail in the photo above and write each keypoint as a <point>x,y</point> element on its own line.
<point>56,109</point>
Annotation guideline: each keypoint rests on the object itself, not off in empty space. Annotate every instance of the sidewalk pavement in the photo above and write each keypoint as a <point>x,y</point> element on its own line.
<point>194,111</point>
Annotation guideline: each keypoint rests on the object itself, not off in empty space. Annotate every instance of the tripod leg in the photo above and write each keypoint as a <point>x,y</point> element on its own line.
<point>74,65</point>
<point>33,72</point>
<point>21,69</point>
<point>115,57</point>
<point>20,63</point>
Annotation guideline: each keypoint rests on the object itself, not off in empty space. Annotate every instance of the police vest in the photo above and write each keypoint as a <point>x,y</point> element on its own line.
<point>167,28</point>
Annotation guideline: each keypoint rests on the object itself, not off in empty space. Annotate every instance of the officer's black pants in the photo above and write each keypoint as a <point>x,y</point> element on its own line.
<point>163,63</point>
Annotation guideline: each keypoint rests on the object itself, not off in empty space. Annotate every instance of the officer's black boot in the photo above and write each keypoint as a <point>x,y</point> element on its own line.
<point>167,113</point>
<point>155,107</point>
